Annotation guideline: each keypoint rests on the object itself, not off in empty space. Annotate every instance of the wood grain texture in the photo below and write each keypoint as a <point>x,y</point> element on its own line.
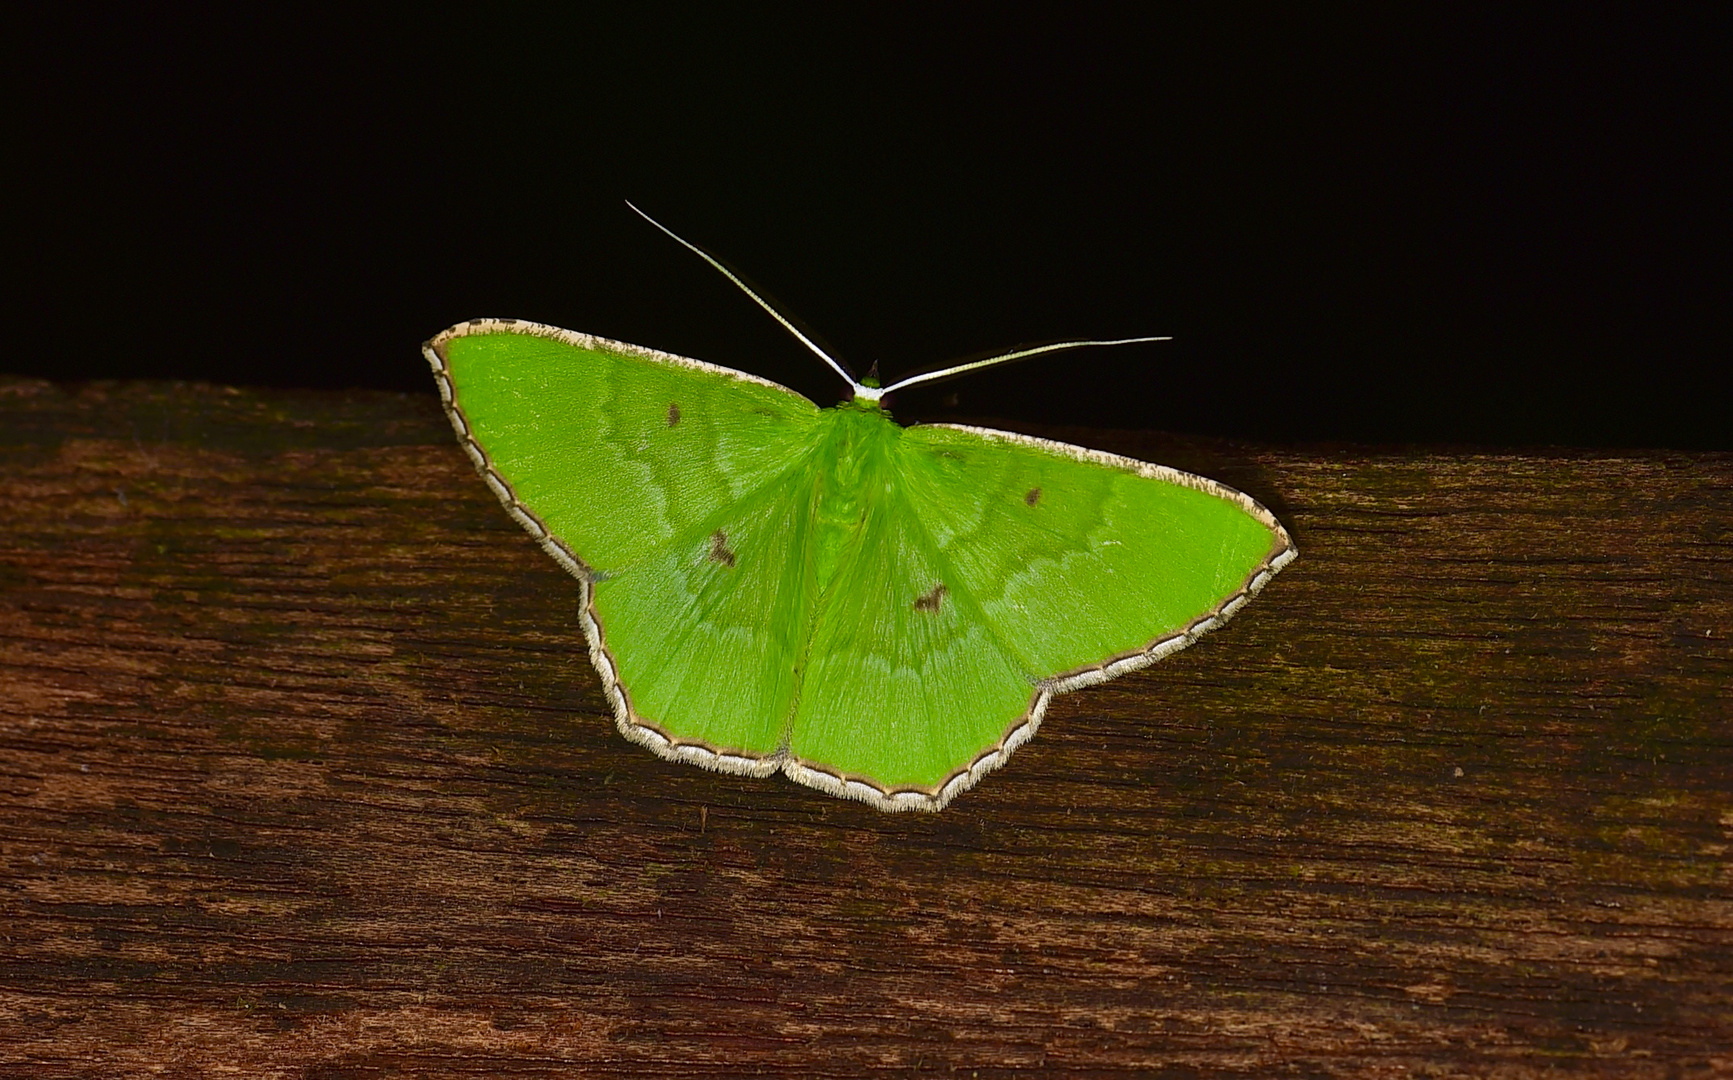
<point>304,773</point>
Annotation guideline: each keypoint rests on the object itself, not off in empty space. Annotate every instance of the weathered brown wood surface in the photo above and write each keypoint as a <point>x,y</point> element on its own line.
<point>303,773</point>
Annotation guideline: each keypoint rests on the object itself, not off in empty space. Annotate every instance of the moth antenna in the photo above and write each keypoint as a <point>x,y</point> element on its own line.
<point>946,373</point>
<point>761,301</point>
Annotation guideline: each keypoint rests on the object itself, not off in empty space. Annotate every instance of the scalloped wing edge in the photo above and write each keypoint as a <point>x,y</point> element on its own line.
<point>858,788</point>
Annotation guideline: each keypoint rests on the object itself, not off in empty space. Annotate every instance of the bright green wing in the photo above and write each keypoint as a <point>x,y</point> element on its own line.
<point>667,486</point>
<point>907,681</point>
<point>1013,569</point>
<point>1079,559</point>
<point>615,449</point>
<point>707,632</point>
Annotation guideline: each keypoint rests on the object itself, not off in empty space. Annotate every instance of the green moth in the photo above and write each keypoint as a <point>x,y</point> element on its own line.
<point>880,612</point>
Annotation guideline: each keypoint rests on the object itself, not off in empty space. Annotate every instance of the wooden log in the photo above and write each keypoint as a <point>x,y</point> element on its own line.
<point>304,773</point>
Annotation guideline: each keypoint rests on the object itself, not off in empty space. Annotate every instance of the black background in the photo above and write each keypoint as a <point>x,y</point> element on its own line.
<point>1358,223</point>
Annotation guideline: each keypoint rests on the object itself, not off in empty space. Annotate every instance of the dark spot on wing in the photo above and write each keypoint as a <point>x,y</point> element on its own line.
<point>719,549</point>
<point>931,601</point>
<point>673,413</point>
<point>1033,497</point>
